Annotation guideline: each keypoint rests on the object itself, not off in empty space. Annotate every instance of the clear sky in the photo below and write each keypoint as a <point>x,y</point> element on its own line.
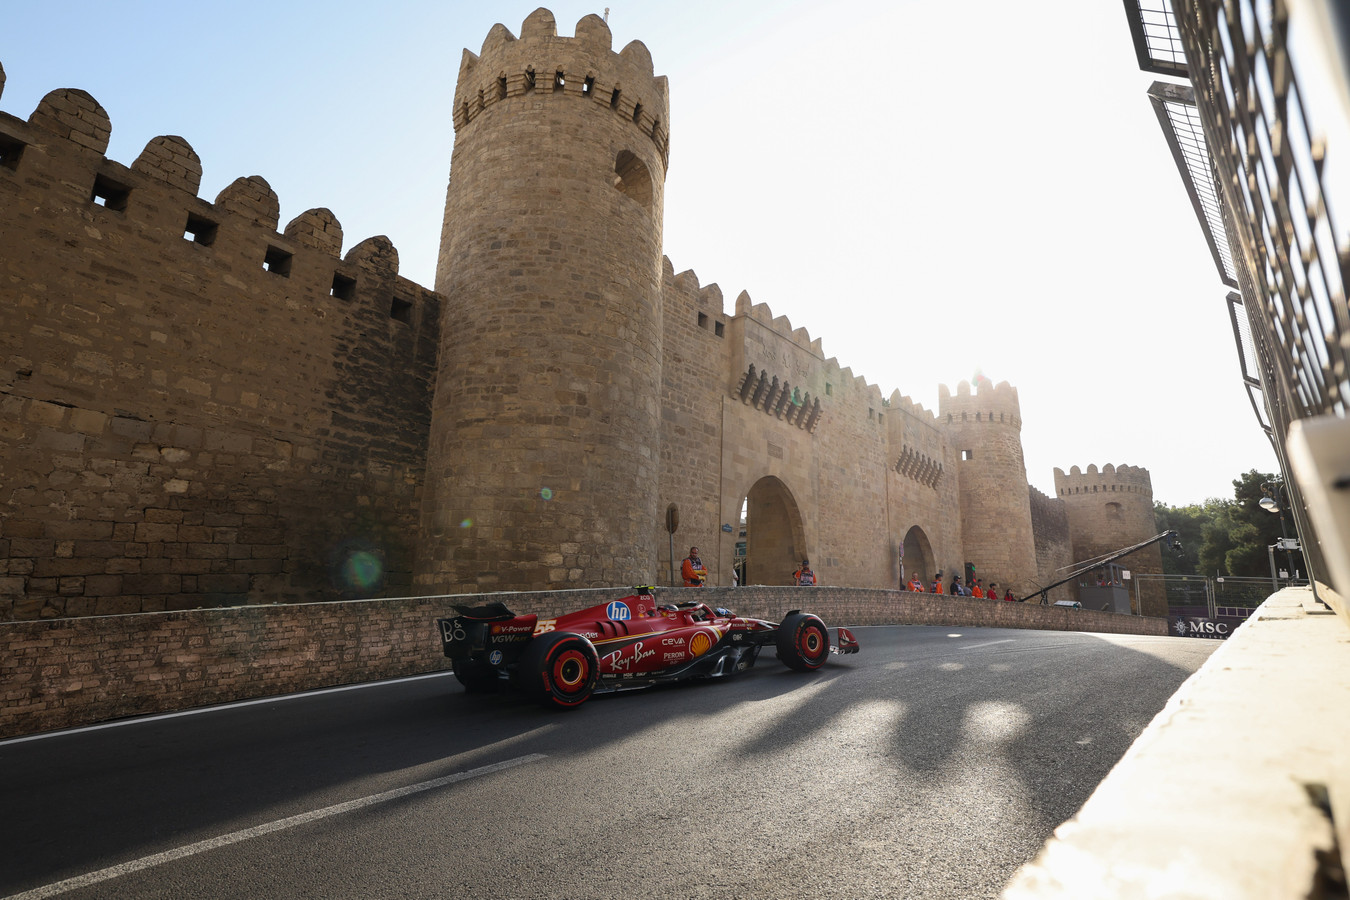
<point>930,188</point>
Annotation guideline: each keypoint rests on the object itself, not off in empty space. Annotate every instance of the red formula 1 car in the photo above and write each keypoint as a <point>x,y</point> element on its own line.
<point>628,643</point>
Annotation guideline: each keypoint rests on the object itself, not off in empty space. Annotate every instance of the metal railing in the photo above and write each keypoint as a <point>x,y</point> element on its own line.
<point>1257,171</point>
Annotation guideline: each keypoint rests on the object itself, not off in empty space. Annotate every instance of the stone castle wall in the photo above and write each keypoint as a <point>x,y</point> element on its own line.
<point>201,411</point>
<point>1054,544</point>
<point>197,410</point>
<point>697,342</point>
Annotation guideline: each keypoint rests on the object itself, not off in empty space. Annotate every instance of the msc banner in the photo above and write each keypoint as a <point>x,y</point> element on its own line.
<point>1217,628</point>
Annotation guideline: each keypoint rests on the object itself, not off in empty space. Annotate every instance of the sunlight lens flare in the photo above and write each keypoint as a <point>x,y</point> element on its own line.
<point>362,570</point>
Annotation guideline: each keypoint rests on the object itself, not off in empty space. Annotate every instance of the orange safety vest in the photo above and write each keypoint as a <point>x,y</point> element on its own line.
<point>694,576</point>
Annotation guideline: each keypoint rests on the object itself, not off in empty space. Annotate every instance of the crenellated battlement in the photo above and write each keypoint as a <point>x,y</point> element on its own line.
<point>542,66</point>
<point>262,392</point>
<point>905,404</point>
<point>989,403</point>
<point>64,140</point>
<point>761,314</point>
<point>1111,478</point>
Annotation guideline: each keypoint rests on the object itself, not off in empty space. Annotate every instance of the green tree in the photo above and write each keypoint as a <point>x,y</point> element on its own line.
<point>1188,522</point>
<point>1226,537</point>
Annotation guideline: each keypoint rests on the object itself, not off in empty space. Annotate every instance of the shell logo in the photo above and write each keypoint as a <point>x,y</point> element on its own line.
<point>701,642</point>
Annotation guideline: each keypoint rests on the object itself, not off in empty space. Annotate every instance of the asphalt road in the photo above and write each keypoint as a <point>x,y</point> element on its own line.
<point>930,765</point>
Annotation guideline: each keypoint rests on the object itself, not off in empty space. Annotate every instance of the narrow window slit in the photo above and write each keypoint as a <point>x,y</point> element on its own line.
<point>109,194</point>
<point>277,261</point>
<point>344,286</point>
<point>199,230</point>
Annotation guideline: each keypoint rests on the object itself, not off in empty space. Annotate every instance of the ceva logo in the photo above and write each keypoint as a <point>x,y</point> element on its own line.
<point>618,611</point>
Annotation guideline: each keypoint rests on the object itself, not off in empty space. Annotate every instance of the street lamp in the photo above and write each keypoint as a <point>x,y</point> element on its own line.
<point>1273,502</point>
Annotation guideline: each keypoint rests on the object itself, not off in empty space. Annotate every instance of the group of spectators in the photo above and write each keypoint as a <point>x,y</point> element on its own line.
<point>956,589</point>
<point>695,574</point>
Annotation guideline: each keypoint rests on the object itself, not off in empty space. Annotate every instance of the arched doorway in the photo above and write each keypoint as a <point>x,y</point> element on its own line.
<point>918,558</point>
<point>775,541</point>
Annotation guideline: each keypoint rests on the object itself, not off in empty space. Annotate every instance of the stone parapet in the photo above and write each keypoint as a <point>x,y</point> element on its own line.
<point>65,673</point>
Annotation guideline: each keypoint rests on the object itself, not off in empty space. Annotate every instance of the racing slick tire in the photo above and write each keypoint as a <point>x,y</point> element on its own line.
<point>803,642</point>
<point>477,677</point>
<point>559,669</point>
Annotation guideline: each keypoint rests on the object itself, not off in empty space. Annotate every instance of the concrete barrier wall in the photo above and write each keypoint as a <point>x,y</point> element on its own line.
<point>1238,788</point>
<point>62,673</point>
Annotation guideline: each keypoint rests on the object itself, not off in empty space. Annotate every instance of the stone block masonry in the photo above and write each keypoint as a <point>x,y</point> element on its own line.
<point>200,408</point>
<point>195,410</point>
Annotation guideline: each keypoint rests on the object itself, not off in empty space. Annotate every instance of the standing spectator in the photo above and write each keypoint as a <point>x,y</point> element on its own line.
<point>804,577</point>
<point>1007,595</point>
<point>976,591</point>
<point>915,584</point>
<point>955,588</point>
<point>692,569</point>
<point>937,584</point>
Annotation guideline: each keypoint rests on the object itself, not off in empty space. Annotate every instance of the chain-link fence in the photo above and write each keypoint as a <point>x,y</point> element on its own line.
<point>1200,606</point>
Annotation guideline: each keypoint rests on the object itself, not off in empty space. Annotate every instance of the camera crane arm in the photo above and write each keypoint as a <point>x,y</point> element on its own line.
<point>1173,542</point>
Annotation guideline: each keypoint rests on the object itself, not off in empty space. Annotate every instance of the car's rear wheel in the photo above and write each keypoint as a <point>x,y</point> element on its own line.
<point>559,669</point>
<point>477,677</point>
<point>803,642</point>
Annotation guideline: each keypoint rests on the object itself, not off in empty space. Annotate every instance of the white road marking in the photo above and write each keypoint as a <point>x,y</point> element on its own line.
<point>279,698</point>
<point>986,644</point>
<point>158,859</point>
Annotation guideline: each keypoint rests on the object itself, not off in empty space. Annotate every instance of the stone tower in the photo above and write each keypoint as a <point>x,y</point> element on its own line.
<point>1108,511</point>
<point>985,432</point>
<point>542,466</point>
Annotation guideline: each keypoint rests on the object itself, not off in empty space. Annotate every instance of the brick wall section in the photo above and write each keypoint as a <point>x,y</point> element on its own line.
<point>64,673</point>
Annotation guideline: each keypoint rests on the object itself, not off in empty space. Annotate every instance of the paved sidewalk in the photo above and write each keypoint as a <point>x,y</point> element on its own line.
<point>1216,799</point>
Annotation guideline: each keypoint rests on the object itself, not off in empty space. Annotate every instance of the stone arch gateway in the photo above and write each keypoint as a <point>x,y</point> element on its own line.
<point>775,538</point>
<point>918,557</point>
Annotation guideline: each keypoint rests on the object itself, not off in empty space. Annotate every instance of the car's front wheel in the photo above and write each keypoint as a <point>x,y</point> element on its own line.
<point>803,642</point>
<point>559,669</point>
